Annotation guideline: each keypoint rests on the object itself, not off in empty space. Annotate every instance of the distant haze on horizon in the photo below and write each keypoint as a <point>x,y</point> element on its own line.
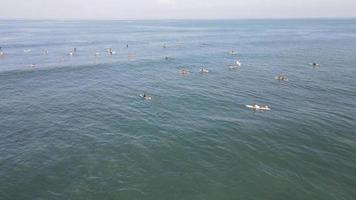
<point>174,9</point>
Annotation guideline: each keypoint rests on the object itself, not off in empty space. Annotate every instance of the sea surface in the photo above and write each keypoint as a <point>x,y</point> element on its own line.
<point>74,127</point>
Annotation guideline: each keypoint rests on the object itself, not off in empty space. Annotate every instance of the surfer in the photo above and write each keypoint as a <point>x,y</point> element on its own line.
<point>282,78</point>
<point>110,51</point>
<point>314,64</point>
<point>184,71</point>
<point>146,97</point>
<point>233,52</point>
<point>258,107</point>
<point>168,58</point>
<point>202,70</point>
<point>236,65</point>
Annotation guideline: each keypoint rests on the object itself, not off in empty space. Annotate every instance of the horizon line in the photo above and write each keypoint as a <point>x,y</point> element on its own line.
<point>176,19</point>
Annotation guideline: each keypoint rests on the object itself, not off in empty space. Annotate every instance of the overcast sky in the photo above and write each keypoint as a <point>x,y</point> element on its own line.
<point>174,9</point>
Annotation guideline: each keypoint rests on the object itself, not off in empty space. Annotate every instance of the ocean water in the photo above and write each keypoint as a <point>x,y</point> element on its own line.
<point>74,127</point>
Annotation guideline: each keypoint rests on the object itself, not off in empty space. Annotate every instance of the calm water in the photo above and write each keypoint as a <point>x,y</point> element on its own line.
<point>74,127</point>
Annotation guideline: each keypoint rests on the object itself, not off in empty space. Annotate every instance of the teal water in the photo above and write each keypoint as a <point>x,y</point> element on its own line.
<point>74,127</point>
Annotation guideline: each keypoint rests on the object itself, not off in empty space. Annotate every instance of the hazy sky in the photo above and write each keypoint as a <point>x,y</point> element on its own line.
<point>174,9</point>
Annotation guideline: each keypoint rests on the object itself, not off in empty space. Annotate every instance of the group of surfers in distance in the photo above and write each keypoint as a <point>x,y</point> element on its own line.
<point>109,51</point>
<point>204,70</point>
<point>234,66</point>
<point>183,71</point>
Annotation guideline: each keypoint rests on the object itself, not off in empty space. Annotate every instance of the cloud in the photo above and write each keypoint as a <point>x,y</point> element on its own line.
<point>167,2</point>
